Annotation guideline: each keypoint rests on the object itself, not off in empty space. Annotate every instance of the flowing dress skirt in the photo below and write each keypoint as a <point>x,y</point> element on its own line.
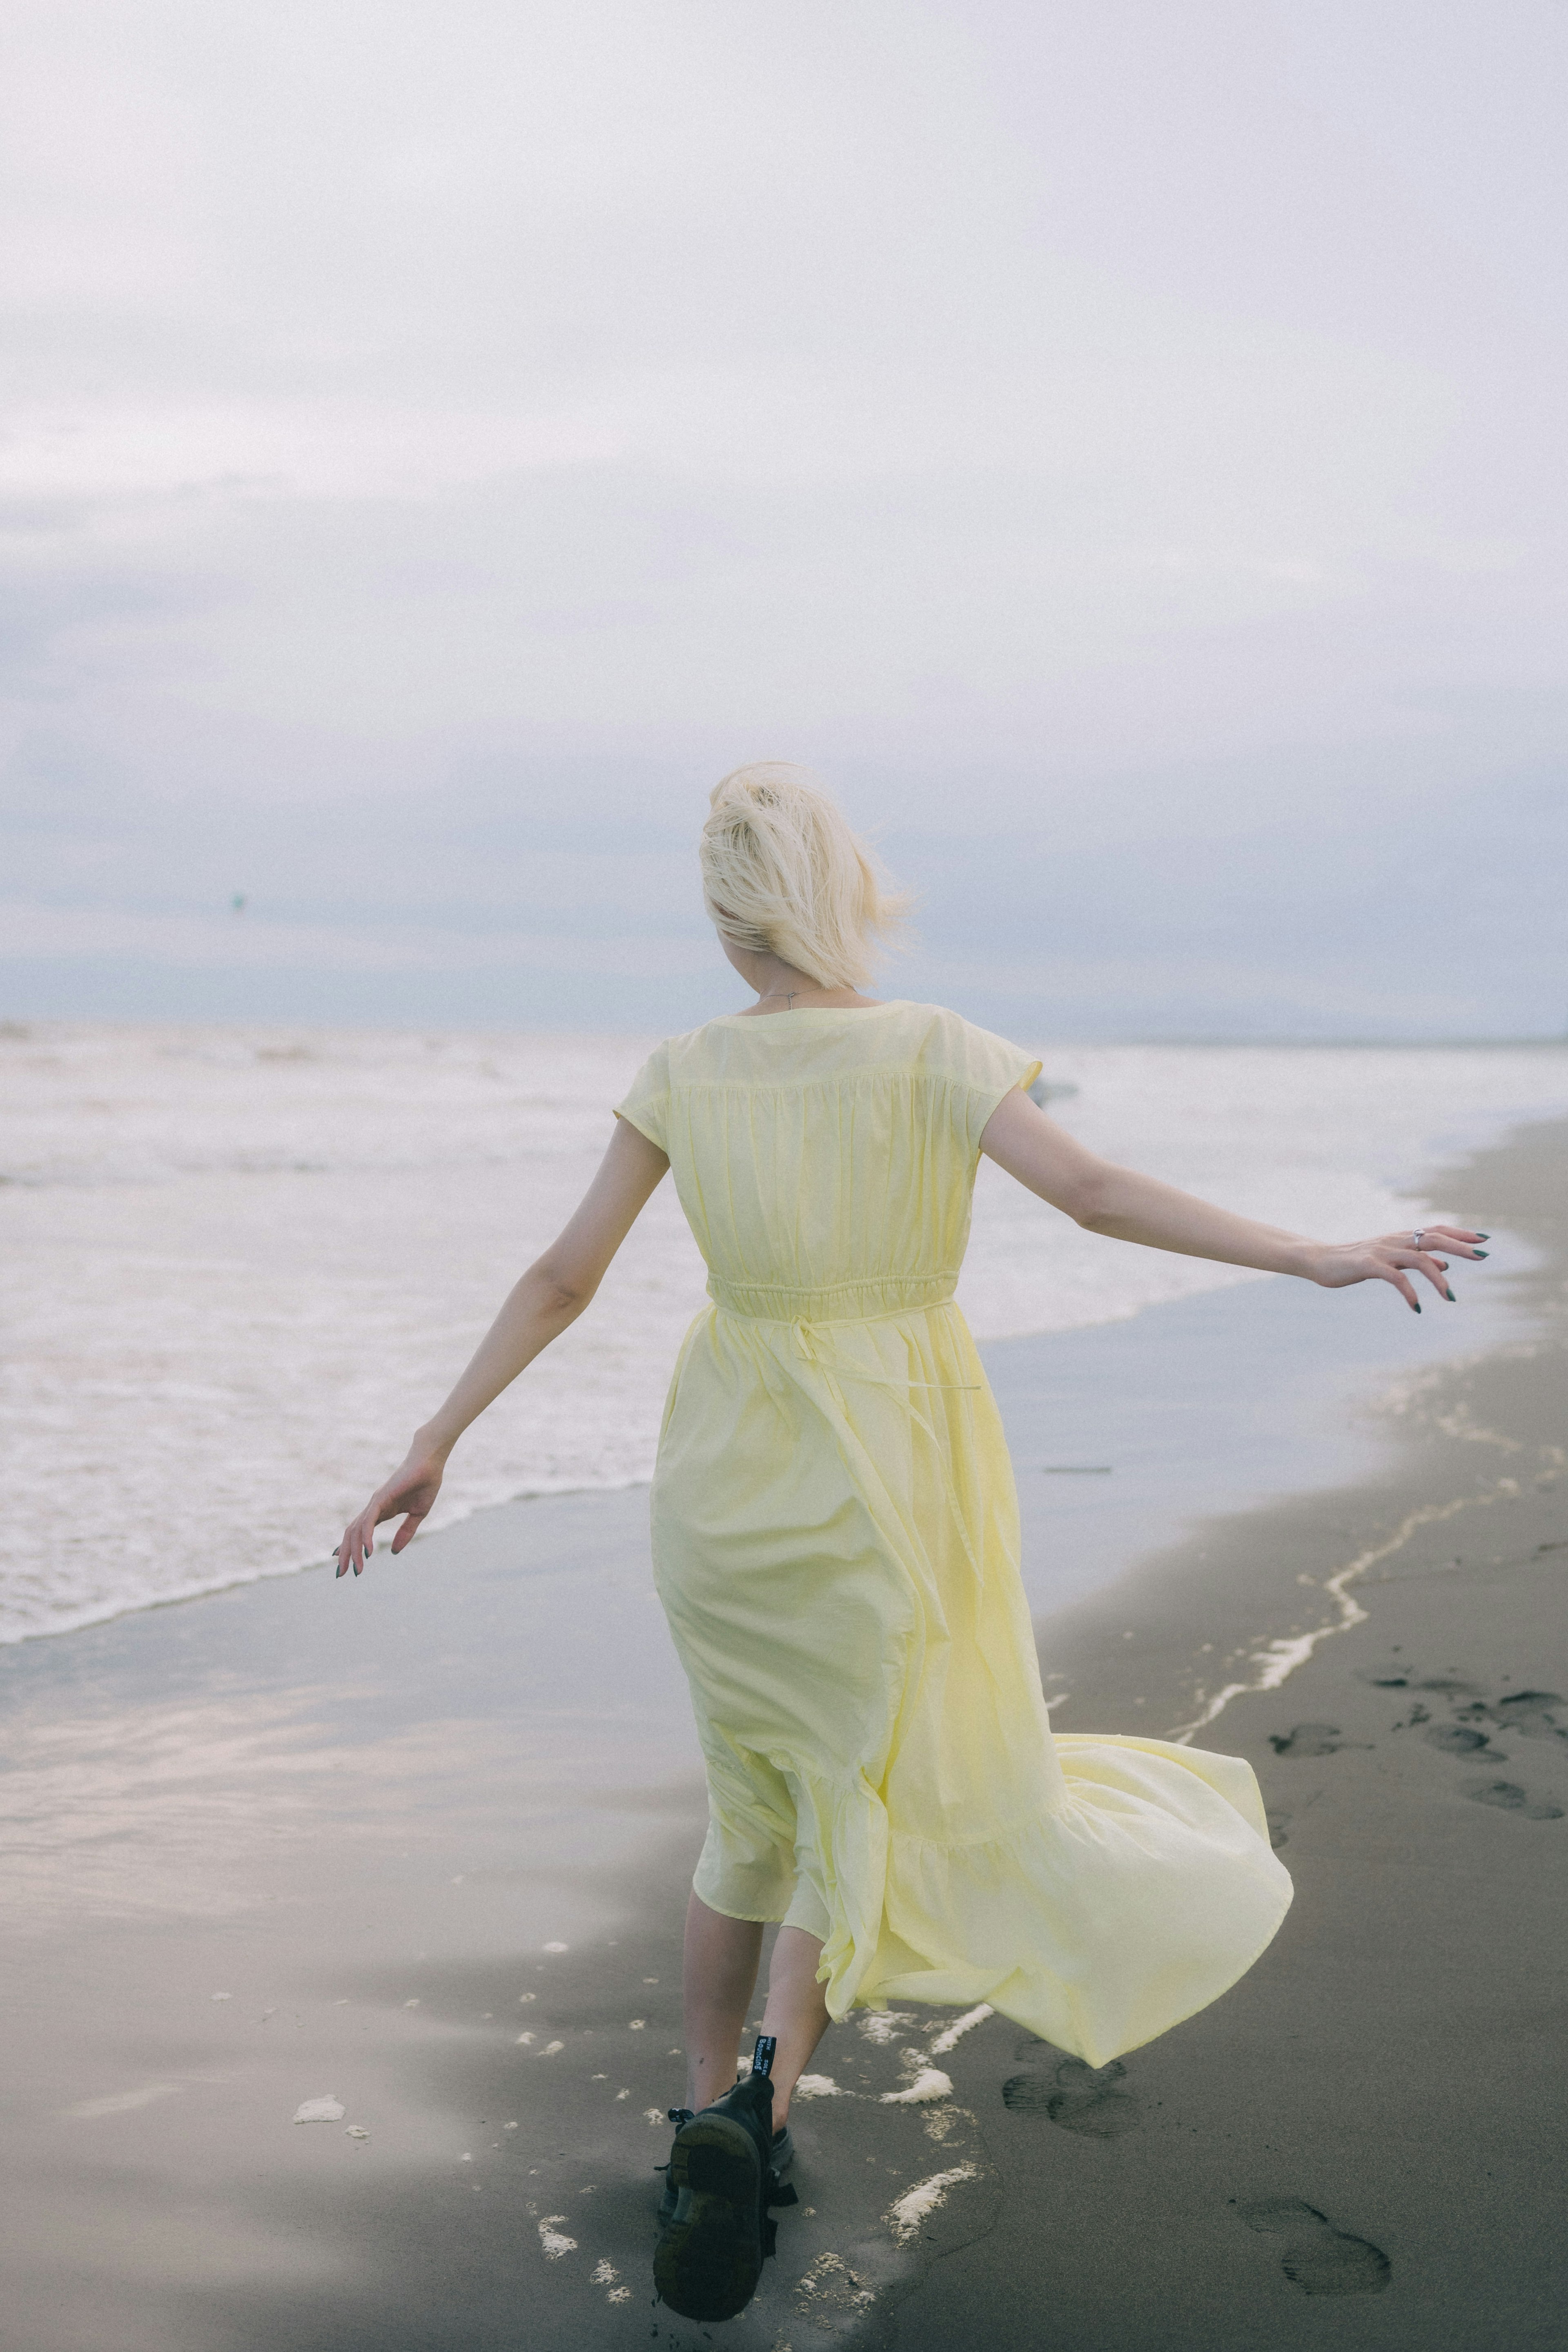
<point>835,1544</point>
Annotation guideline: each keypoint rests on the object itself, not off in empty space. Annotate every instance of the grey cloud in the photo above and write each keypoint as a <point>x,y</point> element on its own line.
<point>1118,445</point>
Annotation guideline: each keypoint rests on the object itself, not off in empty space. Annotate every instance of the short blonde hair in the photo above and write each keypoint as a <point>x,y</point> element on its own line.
<point>784,874</point>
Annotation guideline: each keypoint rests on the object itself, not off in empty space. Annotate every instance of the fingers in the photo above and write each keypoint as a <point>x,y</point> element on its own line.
<point>1401,1282</point>
<point>1462,1240</point>
<point>1395,1260</point>
<point>358,1543</point>
<point>1424,1263</point>
<point>1458,1240</point>
<point>1435,1272</point>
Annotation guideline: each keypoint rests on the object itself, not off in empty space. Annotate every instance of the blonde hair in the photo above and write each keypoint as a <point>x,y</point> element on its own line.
<point>784,874</point>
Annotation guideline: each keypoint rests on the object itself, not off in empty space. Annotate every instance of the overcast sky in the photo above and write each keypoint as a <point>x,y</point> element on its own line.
<point>1120,446</point>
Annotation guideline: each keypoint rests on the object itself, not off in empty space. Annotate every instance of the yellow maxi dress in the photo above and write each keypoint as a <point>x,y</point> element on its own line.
<point>835,1544</point>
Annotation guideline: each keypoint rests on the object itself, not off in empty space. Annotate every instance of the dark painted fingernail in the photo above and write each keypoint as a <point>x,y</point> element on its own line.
<point>1483,1237</point>
<point>1450,1298</point>
<point>1483,1253</point>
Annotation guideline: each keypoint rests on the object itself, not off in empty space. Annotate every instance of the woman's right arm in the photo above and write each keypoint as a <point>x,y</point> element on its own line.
<point>551,1295</point>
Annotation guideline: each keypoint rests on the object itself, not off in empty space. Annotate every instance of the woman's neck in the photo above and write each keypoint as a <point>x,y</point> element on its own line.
<point>792,993</point>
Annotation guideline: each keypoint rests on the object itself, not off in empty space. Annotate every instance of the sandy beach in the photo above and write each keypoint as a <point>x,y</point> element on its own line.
<point>414,1853</point>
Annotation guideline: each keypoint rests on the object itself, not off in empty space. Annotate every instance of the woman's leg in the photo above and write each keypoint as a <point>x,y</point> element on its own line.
<point>796,2011</point>
<point>720,1975</point>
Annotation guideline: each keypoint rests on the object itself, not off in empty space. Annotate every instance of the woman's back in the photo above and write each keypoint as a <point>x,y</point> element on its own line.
<point>825,1159</point>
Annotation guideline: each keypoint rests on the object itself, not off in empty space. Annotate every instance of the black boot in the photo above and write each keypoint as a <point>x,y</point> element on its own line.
<point>781,2164</point>
<point>715,2226</point>
<point>666,2202</point>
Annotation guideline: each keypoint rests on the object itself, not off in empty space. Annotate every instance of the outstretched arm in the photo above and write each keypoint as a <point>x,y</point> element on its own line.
<point>551,1295</point>
<point>1106,1199</point>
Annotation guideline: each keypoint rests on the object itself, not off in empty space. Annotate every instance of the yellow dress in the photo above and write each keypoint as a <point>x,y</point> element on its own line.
<point>835,1544</point>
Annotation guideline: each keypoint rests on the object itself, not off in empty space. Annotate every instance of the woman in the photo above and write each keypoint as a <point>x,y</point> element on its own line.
<point>836,1537</point>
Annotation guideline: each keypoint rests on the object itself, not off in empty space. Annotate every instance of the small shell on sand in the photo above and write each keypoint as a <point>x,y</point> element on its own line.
<point>330,2110</point>
<point>930,2083</point>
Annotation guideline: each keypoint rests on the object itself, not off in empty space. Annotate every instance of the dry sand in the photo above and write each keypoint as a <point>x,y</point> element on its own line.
<point>407,1849</point>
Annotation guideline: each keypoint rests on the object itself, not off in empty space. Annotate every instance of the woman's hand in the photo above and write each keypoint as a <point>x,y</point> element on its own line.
<point>1394,1258</point>
<point>412,1490</point>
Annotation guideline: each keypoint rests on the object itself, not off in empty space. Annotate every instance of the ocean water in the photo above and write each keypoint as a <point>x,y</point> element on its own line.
<point>239,1267</point>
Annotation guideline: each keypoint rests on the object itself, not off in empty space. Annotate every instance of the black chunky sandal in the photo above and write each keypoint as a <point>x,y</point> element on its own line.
<point>715,2228</point>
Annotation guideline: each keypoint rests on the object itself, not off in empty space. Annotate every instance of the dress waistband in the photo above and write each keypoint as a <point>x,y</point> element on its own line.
<point>810,1318</point>
<point>837,1302</point>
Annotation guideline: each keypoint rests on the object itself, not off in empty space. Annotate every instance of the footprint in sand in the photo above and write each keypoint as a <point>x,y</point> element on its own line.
<point>1457,1740</point>
<point>1393,1675</point>
<point>1528,1712</point>
<point>1090,2100</point>
<point>1311,1739</point>
<point>1510,1797</point>
<point>1318,2258</point>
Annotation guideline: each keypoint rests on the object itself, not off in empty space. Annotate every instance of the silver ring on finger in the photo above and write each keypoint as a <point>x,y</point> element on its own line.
<point>1418,1238</point>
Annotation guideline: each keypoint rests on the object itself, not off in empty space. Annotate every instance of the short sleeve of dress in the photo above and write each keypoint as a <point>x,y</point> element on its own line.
<point>988,1068</point>
<point>646,1103</point>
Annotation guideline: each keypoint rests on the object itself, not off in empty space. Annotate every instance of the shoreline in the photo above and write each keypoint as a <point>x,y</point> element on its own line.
<point>422,1845</point>
<point>1439,1461</point>
<point>1291,1421</point>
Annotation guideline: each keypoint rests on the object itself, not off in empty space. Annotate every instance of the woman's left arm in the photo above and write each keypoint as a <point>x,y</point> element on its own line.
<point>1106,1199</point>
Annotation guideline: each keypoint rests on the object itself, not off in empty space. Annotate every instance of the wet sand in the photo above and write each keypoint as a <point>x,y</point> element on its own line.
<point>1372,2114</point>
<point>420,1847</point>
